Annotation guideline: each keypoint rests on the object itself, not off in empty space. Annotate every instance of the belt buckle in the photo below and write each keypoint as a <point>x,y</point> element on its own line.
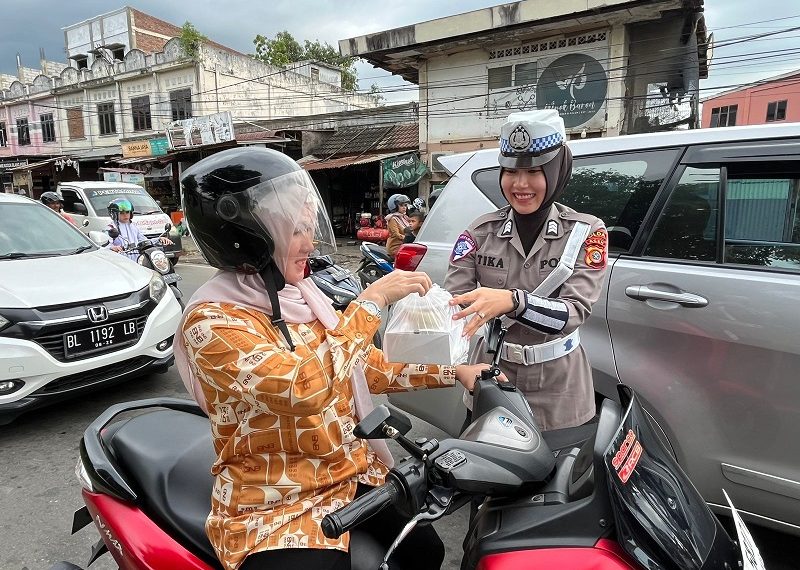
<point>518,353</point>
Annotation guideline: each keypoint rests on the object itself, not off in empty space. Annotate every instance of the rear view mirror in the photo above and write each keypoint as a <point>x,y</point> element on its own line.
<point>382,417</point>
<point>167,227</point>
<point>85,223</point>
<point>494,336</point>
<point>100,238</point>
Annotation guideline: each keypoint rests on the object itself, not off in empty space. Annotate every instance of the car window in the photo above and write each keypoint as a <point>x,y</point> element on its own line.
<point>687,227</point>
<point>70,198</point>
<point>33,229</point>
<point>141,201</point>
<point>619,190</point>
<point>761,216</point>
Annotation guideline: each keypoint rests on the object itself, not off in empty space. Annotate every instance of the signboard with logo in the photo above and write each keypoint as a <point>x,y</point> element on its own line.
<point>132,177</point>
<point>9,164</point>
<point>403,171</point>
<point>199,131</point>
<point>575,85</point>
<point>152,147</point>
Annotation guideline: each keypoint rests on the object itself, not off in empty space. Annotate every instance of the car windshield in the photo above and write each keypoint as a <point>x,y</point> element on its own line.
<point>33,230</point>
<point>662,520</point>
<point>142,202</point>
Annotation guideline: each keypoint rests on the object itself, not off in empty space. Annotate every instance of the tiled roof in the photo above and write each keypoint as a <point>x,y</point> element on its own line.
<point>382,138</point>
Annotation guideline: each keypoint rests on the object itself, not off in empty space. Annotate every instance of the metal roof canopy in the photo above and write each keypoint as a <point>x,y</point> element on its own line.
<point>312,162</point>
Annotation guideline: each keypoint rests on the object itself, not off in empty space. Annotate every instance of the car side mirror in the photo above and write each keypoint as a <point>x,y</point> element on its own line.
<point>100,238</point>
<point>80,209</point>
<point>376,425</point>
<point>167,227</point>
<point>85,223</point>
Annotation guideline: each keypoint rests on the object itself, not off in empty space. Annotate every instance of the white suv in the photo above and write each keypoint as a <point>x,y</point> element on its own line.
<point>701,306</point>
<point>73,316</point>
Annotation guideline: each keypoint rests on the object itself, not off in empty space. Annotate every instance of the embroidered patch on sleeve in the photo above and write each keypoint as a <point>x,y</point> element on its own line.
<point>464,246</point>
<point>596,248</point>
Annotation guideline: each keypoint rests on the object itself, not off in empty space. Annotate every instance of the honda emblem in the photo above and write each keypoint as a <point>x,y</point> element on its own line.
<point>97,314</point>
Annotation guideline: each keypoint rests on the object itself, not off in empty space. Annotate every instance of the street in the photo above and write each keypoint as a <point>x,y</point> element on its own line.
<point>39,490</point>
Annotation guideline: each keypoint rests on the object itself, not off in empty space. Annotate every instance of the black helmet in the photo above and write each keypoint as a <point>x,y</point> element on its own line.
<point>118,205</point>
<point>235,201</point>
<point>48,198</point>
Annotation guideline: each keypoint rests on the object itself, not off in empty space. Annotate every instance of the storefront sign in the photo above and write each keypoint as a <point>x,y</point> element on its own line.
<point>132,177</point>
<point>12,164</point>
<point>199,131</point>
<point>576,85</point>
<point>403,171</point>
<point>152,147</point>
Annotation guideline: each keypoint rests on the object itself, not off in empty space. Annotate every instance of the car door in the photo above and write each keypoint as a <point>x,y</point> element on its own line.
<point>704,323</point>
<point>617,187</point>
<point>80,213</point>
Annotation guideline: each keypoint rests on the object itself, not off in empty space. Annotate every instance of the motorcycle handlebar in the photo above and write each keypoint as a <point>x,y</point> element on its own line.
<point>370,503</point>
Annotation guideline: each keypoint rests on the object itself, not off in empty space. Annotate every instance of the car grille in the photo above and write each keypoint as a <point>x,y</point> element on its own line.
<point>54,343</point>
<point>104,373</point>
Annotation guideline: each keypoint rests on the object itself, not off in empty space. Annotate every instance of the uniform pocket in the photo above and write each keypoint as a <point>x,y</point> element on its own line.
<point>495,277</point>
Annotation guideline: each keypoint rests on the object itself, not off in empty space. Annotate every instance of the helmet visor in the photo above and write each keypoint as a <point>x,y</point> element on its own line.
<point>289,208</point>
<point>124,207</point>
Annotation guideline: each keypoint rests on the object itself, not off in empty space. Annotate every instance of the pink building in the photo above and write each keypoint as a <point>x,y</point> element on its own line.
<point>772,100</point>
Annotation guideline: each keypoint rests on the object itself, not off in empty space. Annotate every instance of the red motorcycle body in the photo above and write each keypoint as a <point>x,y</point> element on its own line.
<point>605,555</point>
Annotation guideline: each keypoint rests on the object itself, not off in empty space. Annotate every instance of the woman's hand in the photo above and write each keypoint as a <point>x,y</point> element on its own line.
<point>468,373</point>
<point>396,285</point>
<point>165,240</point>
<point>116,248</point>
<point>485,303</point>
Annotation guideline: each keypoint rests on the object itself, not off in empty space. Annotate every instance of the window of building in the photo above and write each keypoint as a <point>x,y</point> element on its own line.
<point>499,77</point>
<point>81,62</point>
<point>48,127</point>
<point>3,135</point>
<point>724,116</point>
<point>180,103</point>
<point>314,74</point>
<point>105,118</point>
<point>776,111</point>
<point>23,132</point>
<point>75,123</point>
<point>118,53</point>
<point>140,109</point>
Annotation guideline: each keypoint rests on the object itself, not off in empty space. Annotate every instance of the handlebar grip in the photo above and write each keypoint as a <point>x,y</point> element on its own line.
<point>370,503</point>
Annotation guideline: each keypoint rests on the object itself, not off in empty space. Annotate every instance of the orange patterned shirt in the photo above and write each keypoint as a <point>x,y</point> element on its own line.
<point>282,422</point>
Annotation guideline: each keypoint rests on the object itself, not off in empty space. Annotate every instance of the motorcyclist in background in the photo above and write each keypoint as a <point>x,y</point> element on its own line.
<point>53,201</point>
<point>123,233</point>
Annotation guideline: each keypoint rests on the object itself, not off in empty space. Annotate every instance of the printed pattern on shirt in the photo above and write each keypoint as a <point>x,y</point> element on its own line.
<point>282,423</point>
<point>546,315</point>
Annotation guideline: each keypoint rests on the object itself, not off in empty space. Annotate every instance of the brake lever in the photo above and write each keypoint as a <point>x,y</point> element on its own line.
<point>437,508</point>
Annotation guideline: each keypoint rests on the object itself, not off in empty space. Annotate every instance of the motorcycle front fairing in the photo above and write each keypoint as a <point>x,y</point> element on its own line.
<point>661,519</point>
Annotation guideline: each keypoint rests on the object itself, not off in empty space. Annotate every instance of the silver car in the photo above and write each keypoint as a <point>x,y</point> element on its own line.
<point>701,311</point>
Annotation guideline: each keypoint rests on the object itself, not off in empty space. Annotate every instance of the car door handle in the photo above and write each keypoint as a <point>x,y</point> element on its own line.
<point>645,293</point>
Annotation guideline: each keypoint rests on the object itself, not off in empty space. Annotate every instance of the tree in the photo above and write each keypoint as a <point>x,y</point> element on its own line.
<point>284,50</point>
<point>190,39</point>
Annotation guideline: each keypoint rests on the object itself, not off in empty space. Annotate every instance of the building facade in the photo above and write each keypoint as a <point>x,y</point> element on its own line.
<point>611,67</point>
<point>773,100</point>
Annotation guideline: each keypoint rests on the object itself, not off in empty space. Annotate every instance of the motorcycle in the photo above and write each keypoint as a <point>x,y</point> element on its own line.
<point>375,263</point>
<point>337,282</point>
<point>616,499</point>
<point>153,257</point>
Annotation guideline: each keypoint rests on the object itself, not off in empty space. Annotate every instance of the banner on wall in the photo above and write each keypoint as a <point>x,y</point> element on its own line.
<point>403,171</point>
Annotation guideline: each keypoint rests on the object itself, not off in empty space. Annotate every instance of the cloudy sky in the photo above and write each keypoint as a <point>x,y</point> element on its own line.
<point>236,22</point>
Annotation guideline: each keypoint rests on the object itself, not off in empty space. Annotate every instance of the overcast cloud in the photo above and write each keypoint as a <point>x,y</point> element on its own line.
<point>235,23</point>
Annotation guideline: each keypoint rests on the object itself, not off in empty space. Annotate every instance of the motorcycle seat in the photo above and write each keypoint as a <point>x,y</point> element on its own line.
<point>167,456</point>
<point>378,251</point>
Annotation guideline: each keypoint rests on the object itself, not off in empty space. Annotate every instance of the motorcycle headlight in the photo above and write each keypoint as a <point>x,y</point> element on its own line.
<point>4,322</point>
<point>157,288</point>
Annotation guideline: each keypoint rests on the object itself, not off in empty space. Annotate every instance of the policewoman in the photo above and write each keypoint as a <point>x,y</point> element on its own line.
<point>538,264</point>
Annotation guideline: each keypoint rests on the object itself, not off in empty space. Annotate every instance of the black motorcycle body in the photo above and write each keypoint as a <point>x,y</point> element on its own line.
<point>375,263</point>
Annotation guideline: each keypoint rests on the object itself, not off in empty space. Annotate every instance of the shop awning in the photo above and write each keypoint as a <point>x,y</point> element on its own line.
<point>142,160</point>
<point>99,153</point>
<point>312,162</point>
<point>35,165</point>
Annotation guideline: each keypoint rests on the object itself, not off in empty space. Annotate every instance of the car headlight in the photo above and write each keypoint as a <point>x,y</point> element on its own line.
<point>4,322</point>
<point>157,288</point>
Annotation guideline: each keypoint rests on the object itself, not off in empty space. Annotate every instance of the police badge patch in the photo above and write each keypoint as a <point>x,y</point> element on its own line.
<point>464,246</point>
<point>596,249</point>
<point>552,228</point>
<point>507,228</point>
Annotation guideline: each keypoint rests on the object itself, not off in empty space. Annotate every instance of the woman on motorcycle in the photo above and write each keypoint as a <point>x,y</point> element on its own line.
<point>123,232</point>
<point>283,377</point>
<point>397,222</point>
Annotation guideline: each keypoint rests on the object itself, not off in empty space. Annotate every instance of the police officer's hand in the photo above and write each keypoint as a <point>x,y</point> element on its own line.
<point>485,303</point>
<point>396,285</point>
<point>165,240</point>
<point>467,373</point>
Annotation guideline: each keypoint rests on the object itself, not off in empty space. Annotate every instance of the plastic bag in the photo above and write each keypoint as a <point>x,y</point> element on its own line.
<point>421,330</point>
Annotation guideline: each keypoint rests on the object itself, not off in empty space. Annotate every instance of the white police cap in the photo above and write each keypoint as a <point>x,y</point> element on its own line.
<point>531,138</point>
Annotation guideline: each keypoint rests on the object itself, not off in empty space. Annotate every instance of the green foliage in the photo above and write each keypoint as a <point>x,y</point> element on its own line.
<point>284,50</point>
<point>191,39</point>
<point>377,92</point>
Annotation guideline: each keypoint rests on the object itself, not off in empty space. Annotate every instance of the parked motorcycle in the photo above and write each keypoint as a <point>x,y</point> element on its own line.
<point>337,282</point>
<point>617,500</point>
<point>375,263</point>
